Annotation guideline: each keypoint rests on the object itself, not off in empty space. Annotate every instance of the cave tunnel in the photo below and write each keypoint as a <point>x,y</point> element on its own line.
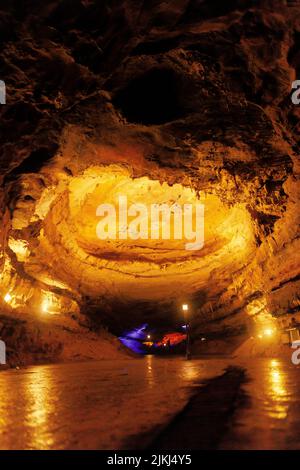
<point>149,202</point>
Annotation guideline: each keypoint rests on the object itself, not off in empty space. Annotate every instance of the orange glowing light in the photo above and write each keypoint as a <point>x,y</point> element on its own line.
<point>172,339</point>
<point>20,248</point>
<point>8,298</point>
<point>45,307</point>
<point>50,304</point>
<point>268,332</point>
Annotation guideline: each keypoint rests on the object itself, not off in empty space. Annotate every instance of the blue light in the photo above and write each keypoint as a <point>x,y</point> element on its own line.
<point>133,339</point>
<point>133,344</point>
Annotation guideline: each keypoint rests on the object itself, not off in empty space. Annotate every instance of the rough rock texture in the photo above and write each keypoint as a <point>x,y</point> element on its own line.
<point>163,101</point>
<point>33,341</point>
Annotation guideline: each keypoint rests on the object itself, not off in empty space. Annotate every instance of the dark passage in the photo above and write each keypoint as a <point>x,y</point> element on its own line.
<point>207,416</point>
<point>152,98</point>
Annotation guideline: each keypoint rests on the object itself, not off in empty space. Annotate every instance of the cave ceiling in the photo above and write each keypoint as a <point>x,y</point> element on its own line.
<point>160,101</point>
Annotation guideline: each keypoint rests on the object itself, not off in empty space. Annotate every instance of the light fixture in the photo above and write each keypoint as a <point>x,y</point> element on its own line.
<point>148,336</point>
<point>268,332</point>
<point>50,303</point>
<point>7,297</point>
<point>185,307</point>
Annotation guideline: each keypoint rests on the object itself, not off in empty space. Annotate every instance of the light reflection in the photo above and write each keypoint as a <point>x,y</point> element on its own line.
<point>150,377</point>
<point>277,391</point>
<point>190,371</point>
<point>39,408</point>
<point>6,409</point>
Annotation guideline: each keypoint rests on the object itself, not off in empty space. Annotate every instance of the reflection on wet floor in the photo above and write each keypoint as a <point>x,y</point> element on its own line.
<point>104,405</point>
<point>278,405</point>
<point>95,405</point>
<point>271,418</point>
<point>149,360</point>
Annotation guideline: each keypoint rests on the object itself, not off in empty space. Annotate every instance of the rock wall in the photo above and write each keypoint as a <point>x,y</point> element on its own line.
<point>179,100</point>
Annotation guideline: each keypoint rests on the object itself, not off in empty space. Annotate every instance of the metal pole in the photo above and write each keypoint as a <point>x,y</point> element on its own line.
<point>188,346</point>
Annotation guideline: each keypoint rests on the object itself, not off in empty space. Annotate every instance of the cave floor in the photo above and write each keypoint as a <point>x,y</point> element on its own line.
<point>127,404</point>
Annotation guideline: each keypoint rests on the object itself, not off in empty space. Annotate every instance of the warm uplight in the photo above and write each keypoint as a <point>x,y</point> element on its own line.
<point>50,304</point>
<point>45,307</point>
<point>185,307</point>
<point>20,248</point>
<point>7,298</point>
<point>268,332</point>
<point>132,268</point>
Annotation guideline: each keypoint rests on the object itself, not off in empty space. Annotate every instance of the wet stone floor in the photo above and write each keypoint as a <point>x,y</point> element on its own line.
<point>125,404</point>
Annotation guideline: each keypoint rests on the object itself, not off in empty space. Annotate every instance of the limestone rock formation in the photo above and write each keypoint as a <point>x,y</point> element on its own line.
<point>185,100</point>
